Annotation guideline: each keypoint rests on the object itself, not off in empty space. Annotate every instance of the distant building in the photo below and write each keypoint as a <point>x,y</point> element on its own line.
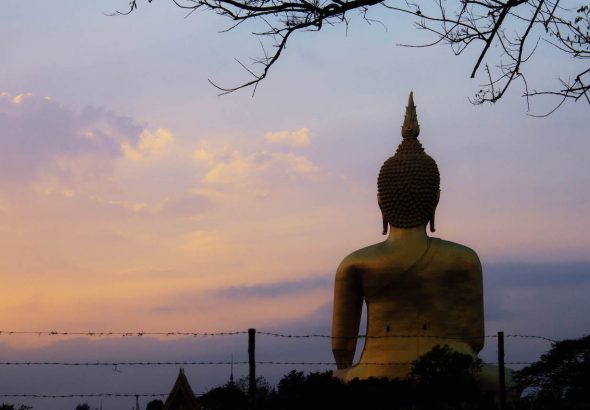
<point>181,396</point>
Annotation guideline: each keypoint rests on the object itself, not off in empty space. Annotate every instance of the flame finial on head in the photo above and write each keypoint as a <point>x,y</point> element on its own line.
<point>410,128</point>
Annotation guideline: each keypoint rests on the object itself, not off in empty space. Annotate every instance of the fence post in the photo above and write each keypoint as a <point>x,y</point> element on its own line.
<point>252,368</point>
<point>501,371</point>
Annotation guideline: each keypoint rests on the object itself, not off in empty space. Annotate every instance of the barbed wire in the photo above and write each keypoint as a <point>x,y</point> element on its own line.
<point>122,334</point>
<point>533,337</point>
<point>263,333</point>
<point>66,396</point>
<point>365,336</point>
<point>365,363</point>
<point>188,363</point>
<point>402,336</point>
<point>115,364</point>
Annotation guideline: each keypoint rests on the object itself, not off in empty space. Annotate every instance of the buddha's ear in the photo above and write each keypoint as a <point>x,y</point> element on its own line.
<point>432,229</point>
<point>385,223</point>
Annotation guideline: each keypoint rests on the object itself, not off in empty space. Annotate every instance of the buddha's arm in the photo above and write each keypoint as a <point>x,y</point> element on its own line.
<point>477,294</point>
<point>348,303</point>
<point>477,344</point>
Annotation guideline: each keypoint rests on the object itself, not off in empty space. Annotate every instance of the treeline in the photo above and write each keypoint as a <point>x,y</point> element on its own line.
<point>441,379</point>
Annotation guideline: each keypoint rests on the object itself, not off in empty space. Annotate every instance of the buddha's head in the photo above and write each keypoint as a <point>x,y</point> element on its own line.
<point>408,186</point>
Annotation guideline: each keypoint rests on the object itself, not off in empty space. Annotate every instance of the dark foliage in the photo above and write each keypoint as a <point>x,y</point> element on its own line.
<point>155,405</point>
<point>234,396</point>
<point>380,394</point>
<point>83,406</point>
<point>442,379</point>
<point>560,379</point>
<point>314,391</point>
<point>227,397</point>
<point>5,406</point>
<point>445,379</point>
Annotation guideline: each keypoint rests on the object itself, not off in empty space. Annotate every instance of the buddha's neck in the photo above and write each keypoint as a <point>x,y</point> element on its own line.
<point>411,235</point>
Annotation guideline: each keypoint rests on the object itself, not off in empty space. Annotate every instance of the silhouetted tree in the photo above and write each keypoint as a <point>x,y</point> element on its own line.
<point>320,391</point>
<point>560,379</point>
<point>442,379</point>
<point>83,406</point>
<point>228,397</point>
<point>263,388</point>
<point>5,406</point>
<point>315,391</point>
<point>155,405</point>
<point>446,379</point>
<point>380,394</point>
<point>505,32</point>
<point>234,396</point>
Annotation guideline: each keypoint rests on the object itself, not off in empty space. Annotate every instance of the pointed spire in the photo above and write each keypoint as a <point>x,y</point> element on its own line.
<point>231,374</point>
<point>410,128</point>
<point>181,395</point>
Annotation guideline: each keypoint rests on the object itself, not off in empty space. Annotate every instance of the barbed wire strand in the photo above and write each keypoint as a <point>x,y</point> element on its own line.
<point>188,363</point>
<point>263,333</point>
<point>364,336</point>
<point>112,364</point>
<point>65,396</point>
<point>91,395</point>
<point>122,334</point>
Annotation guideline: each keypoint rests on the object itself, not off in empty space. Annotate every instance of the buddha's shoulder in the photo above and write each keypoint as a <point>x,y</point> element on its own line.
<point>455,252</point>
<point>442,252</point>
<point>365,255</point>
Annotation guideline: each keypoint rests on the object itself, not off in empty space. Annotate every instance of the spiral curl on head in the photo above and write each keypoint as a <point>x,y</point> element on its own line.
<point>409,182</point>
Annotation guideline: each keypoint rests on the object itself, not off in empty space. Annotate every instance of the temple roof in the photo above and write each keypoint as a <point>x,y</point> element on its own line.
<point>181,396</point>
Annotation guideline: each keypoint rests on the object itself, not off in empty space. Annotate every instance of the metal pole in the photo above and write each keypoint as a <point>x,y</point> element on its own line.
<point>501,371</point>
<point>252,368</point>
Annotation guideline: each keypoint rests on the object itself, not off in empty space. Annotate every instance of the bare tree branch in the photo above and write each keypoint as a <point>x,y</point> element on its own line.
<point>513,29</point>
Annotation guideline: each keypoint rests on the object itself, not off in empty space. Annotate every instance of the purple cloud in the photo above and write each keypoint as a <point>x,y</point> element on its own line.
<point>35,132</point>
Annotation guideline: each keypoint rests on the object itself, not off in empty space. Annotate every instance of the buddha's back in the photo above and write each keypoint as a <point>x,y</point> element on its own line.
<point>415,303</point>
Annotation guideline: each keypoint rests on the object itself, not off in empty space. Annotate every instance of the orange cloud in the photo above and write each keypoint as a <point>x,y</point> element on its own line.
<point>149,144</point>
<point>298,138</point>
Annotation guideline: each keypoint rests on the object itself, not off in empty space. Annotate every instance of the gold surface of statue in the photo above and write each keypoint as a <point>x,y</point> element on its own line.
<point>420,291</point>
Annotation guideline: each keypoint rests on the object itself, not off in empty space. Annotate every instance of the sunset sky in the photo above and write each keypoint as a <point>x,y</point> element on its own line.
<point>133,198</point>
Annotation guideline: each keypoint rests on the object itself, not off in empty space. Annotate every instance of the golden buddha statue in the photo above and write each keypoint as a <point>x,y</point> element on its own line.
<point>420,291</point>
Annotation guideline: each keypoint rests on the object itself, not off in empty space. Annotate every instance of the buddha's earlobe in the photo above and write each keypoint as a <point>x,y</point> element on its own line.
<point>432,229</point>
<point>385,224</point>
